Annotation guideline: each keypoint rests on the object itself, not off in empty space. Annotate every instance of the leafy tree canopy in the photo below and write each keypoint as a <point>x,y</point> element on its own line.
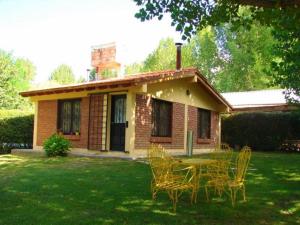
<point>231,60</point>
<point>63,74</point>
<point>282,16</point>
<point>16,75</point>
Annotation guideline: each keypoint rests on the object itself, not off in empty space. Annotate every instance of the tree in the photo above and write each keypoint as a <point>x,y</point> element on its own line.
<point>92,74</point>
<point>63,74</point>
<point>281,15</point>
<point>15,76</point>
<point>248,63</point>
<point>81,79</point>
<point>134,68</point>
<point>162,58</point>
<point>230,60</point>
<point>7,71</point>
<point>205,53</point>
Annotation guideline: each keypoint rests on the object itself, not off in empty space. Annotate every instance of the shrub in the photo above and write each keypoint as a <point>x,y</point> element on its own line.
<point>261,131</point>
<point>16,130</point>
<point>56,145</point>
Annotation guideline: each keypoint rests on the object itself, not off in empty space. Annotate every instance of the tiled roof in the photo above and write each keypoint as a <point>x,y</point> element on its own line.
<point>129,81</point>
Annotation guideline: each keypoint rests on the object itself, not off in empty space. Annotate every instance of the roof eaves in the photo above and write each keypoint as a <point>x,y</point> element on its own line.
<point>206,84</point>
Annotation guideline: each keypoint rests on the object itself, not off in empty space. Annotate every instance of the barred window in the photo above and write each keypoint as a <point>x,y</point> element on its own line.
<point>204,123</point>
<point>69,116</point>
<point>161,118</point>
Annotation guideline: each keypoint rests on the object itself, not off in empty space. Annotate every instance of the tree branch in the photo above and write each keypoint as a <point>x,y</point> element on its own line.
<point>269,3</point>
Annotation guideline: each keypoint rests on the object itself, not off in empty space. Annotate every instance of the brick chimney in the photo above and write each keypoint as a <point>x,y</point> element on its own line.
<point>104,61</point>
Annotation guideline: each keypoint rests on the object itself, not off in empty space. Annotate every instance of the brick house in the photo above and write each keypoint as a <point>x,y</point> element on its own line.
<point>129,113</point>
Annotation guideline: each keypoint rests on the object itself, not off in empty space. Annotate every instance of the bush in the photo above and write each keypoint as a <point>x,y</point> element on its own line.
<point>56,145</point>
<point>261,131</point>
<point>16,130</point>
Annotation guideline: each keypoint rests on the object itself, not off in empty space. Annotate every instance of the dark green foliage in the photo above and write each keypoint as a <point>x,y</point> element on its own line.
<point>260,131</point>
<point>92,75</point>
<point>287,51</point>
<point>16,130</point>
<point>56,145</point>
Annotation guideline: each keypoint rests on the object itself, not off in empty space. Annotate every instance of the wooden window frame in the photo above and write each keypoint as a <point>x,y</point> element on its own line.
<point>71,134</point>
<point>201,140</point>
<point>156,137</point>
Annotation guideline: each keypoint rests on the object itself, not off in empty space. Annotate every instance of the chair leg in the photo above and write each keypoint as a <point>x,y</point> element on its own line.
<point>194,195</point>
<point>233,192</point>
<point>174,199</point>
<point>154,193</point>
<point>207,194</point>
<point>244,192</point>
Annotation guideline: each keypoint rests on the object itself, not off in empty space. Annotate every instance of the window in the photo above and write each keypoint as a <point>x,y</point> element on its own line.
<point>161,118</point>
<point>204,124</point>
<point>69,116</point>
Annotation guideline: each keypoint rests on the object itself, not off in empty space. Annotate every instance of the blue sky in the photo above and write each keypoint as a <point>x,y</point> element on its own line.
<point>50,33</point>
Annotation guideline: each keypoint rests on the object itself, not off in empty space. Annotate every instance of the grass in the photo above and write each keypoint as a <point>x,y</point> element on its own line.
<point>38,190</point>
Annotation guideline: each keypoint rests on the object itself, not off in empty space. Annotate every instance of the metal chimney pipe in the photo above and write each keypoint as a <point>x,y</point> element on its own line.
<point>178,55</point>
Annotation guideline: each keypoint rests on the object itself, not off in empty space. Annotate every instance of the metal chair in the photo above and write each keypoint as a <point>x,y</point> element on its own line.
<point>219,169</point>
<point>237,181</point>
<point>170,176</point>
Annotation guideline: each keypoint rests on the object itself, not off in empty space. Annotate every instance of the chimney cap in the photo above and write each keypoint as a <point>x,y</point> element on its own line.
<point>106,45</point>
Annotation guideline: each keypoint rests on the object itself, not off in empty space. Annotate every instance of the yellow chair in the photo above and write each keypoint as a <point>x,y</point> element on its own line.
<point>170,176</point>
<point>219,169</point>
<point>237,182</point>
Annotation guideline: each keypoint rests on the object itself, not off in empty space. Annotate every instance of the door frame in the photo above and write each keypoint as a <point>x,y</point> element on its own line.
<point>109,105</point>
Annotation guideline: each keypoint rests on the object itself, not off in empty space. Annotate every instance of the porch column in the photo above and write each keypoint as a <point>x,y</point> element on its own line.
<point>185,126</point>
<point>35,122</point>
<point>130,117</point>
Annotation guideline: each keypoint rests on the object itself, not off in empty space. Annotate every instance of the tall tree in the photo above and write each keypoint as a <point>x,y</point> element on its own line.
<point>282,15</point>
<point>162,58</point>
<point>134,68</point>
<point>205,53</point>
<point>63,74</point>
<point>248,63</point>
<point>15,76</point>
<point>230,60</point>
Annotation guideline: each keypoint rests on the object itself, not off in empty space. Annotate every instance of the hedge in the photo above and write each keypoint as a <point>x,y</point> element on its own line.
<point>16,129</point>
<point>261,131</point>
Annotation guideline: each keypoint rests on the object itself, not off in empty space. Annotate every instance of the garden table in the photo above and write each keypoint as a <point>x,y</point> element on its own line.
<point>199,164</point>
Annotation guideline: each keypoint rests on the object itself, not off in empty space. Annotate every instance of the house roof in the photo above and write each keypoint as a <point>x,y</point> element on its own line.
<point>131,80</point>
<point>267,100</point>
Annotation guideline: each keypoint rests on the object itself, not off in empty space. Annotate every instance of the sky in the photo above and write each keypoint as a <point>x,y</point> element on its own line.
<point>54,32</point>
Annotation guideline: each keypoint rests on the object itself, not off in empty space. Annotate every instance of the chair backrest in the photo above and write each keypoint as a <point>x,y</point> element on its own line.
<point>224,152</point>
<point>242,163</point>
<point>159,163</point>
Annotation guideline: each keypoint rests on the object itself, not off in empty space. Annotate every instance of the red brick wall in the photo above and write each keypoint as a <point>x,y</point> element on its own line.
<point>192,125</point>
<point>142,122</point>
<point>177,126</point>
<point>47,122</point>
<point>143,125</point>
<point>103,55</point>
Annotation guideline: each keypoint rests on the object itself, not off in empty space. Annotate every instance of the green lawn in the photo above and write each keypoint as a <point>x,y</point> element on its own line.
<point>37,190</point>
